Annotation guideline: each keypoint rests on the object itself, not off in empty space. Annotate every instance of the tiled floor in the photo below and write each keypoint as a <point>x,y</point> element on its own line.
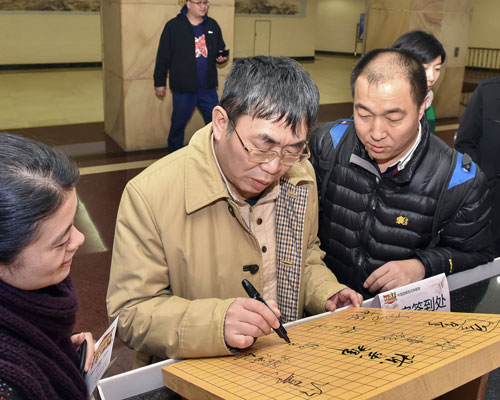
<point>332,76</point>
<point>37,98</point>
<point>64,109</point>
<point>50,97</point>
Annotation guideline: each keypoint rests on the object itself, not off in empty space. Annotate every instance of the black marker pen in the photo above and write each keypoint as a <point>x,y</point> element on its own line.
<point>252,292</point>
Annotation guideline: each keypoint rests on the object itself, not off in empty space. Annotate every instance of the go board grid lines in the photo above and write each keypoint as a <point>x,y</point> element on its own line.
<point>354,354</point>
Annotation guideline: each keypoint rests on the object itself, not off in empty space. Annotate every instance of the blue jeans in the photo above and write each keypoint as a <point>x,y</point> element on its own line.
<point>183,107</point>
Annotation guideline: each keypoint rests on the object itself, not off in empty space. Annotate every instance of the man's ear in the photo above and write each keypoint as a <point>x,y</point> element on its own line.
<point>220,121</point>
<point>421,110</point>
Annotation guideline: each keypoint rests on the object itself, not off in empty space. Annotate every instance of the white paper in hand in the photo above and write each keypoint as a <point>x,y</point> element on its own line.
<point>431,294</point>
<point>102,357</point>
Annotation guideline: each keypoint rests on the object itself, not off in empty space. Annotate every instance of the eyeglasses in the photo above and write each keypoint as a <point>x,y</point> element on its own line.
<point>201,3</point>
<point>264,156</point>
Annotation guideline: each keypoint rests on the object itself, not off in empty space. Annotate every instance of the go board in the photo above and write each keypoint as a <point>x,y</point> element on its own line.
<point>359,353</point>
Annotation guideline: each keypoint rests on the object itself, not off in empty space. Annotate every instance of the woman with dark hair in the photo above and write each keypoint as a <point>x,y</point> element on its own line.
<point>431,54</point>
<point>39,356</point>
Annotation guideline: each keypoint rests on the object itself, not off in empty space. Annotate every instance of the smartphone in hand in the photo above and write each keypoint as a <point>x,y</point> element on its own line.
<point>82,353</point>
<point>224,53</point>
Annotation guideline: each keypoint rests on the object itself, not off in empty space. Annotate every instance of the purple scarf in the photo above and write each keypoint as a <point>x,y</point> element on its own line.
<point>36,354</point>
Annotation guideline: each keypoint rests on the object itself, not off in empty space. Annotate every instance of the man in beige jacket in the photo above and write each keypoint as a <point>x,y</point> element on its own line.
<point>239,202</point>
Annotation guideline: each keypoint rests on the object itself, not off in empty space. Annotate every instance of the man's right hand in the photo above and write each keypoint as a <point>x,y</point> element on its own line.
<point>161,92</point>
<point>247,319</point>
<point>394,274</point>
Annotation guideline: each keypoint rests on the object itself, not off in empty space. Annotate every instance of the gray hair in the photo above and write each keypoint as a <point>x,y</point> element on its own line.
<point>273,88</point>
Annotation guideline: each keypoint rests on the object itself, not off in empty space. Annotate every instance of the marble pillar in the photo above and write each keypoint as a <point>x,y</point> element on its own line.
<point>448,20</point>
<point>131,30</point>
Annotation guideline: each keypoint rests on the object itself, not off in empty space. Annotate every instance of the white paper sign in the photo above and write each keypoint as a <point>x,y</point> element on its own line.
<point>102,357</point>
<point>431,294</point>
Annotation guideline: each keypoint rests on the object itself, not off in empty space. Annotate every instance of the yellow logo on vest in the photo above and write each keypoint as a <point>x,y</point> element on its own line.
<point>401,220</point>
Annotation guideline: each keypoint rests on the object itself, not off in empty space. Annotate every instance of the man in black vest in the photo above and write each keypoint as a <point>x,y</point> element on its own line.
<point>396,203</point>
<point>190,46</point>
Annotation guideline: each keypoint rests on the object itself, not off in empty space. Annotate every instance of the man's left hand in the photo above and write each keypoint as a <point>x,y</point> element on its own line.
<point>343,298</point>
<point>395,274</point>
<point>221,60</point>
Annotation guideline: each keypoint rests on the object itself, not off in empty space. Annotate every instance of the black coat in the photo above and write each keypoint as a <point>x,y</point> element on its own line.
<point>176,55</point>
<point>366,221</point>
<point>479,136</point>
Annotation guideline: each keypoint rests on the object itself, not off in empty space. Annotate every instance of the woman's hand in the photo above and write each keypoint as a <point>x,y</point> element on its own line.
<point>77,340</point>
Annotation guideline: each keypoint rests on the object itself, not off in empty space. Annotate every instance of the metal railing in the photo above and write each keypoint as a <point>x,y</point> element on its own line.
<point>483,58</point>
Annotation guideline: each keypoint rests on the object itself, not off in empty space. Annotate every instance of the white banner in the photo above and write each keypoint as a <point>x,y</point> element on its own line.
<point>431,294</point>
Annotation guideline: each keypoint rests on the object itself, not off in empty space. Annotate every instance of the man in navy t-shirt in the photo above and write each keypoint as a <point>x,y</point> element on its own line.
<point>190,46</point>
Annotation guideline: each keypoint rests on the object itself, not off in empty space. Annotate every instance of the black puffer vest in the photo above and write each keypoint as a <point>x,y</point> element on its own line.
<point>366,221</point>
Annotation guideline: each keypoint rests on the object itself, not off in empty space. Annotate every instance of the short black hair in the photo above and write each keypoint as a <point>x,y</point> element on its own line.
<point>385,65</point>
<point>422,44</point>
<point>34,181</point>
<point>273,88</point>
